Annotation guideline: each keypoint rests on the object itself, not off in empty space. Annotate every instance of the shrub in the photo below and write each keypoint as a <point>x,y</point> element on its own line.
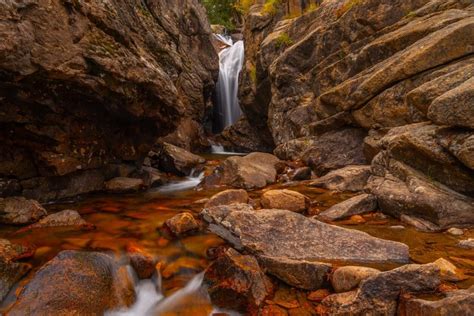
<point>271,6</point>
<point>283,40</point>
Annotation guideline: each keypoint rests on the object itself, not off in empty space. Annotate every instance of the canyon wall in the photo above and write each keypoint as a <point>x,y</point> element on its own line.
<point>87,85</point>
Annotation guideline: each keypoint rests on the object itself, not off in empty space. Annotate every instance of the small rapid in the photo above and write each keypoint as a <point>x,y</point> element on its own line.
<point>187,183</point>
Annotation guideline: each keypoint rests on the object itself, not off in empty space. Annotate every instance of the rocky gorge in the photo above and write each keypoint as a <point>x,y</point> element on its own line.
<point>346,187</point>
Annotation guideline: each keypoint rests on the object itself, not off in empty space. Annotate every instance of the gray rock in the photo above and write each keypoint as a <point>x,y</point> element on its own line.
<point>285,234</point>
<point>350,178</point>
<point>124,185</point>
<point>18,211</point>
<point>348,278</point>
<point>356,205</point>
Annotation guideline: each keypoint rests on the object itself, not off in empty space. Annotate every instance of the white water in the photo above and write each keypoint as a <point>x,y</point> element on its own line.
<point>186,183</point>
<point>230,64</point>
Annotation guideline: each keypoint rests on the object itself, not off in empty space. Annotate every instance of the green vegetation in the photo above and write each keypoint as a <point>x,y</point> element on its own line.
<point>221,12</point>
<point>243,6</point>
<point>283,40</point>
<point>271,6</point>
<point>253,73</point>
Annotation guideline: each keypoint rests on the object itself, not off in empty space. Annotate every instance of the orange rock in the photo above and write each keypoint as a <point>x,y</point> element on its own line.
<point>273,310</point>
<point>319,295</point>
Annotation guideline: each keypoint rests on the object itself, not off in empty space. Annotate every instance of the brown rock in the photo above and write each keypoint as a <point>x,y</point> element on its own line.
<point>176,160</point>
<point>228,197</point>
<point>142,262</point>
<point>62,218</point>
<point>360,204</point>
<point>10,274</point>
<point>18,211</point>
<point>347,278</point>
<point>95,283</point>
<point>318,295</point>
<point>449,272</point>
<point>236,282</point>
<point>124,185</point>
<point>350,178</point>
<point>301,174</point>
<point>285,200</point>
<point>182,224</point>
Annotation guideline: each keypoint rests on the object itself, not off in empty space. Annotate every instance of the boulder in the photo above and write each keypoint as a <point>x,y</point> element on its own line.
<point>360,204</point>
<point>61,219</point>
<point>467,243</point>
<point>142,262</point>
<point>228,197</point>
<point>14,252</point>
<point>236,282</point>
<point>19,211</point>
<point>350,178</point>
<point>460,302</point>
<point>124,185</point>
<point>253,171</point>
<point>449,272</point>
<point>298,237</point>
<point>301,174</point>
<point>182,224</point>
<point>347,278</point>
<point>94,284</point>
<point>10,274</point>
<point>176,160</point>
<point>378,294</point>
<point>285,200</point>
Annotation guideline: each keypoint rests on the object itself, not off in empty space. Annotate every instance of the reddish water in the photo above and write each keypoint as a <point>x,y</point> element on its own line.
<point>135,219</point>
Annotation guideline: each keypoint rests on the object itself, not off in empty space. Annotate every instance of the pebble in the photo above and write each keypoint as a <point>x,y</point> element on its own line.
<point>455,231</point>
<point>397,227</point>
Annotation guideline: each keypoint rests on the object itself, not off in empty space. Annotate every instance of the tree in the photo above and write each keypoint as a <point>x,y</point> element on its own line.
<point>220,12</point>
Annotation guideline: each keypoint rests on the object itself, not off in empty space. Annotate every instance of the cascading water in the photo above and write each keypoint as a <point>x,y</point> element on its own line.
<point>230,64</point>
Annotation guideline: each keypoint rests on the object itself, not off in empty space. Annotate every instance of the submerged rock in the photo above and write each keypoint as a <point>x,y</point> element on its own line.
<point>356,205</point>
<point>350,178</point>
<point>76,282</point>
<point>124,185</point>
<point>176,160</point>
<point>182,224</point>
<point>228,197</point>
<point>253,171</point>
<point>236,282</point>
<point>286,234</point>
<point>18,211</point>
<point>285,200</point>
<point>348,278</point>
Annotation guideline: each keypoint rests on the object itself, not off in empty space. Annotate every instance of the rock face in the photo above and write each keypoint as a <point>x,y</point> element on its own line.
<point>87,84</point>
<point>94,283</point>
<point>285,200</point>
<point>253,171</point>
<point>18,211</point>
<point>297,237</point>
<point>236,282</point>
<point>353,79</point>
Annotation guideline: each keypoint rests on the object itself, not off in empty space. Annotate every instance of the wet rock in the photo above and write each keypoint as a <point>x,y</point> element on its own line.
<point>285,200</point>
<point>301,274</point>
<point>142,262</point>
<point>455,231</point>
<point>297,237</point>
<point>176,160</point>
<point>318,295</point>
<point>460,302</point>
<point>62,218</point>
<point>124,185</point>
<point>253,171</point>
<point>18,211</point>
<point>335,150</point>
<point>152,177</point>
<point>10,273</point>
<point>301,174</point>
<point>356,205</point>
<point>273,310</point>
<point>14,252</point>
<point>236,282</point>
<point>347,278</point>
<point>420,224</point>
<point>228,197</point>
<point>94,283</point>
<point>467,243</point>
<point>449,272</point>
<point>350,178</point>
<point>378,294</point>
<point>182,224</point>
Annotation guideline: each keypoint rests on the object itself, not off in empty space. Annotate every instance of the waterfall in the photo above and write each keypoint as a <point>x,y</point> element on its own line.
<point>230,64</point>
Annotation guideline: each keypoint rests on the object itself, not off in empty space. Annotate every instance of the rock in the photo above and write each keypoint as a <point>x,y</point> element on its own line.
<point>228,197</point>
<point>111,84</point>
<point>460,144</point>
<point>301,274</point>
<point>350,178</point>
<point>301,174</point>
<point>448,271</point>
<point>14,252</point>
<point>460,302</point>
<point>182,224</point>
<point>95,283</point>
<point>19,211</point>
<point>142,262</point>
<point>10,274</point>
<point>62,218</point>
<point>236,282</point>
<point>273,310</point>
<point>420,224</point>
<point>297,237</point>
<point>124,185</point>
<point>285,200</point>
<point>253,171</point>
<point>455,231</point>
<point>377,295</point>
<point>348,278</point>
<point>356,205</point>
<point>467,243</point>
<point>176,160</point>
<point>318,295</point>
<point>189,135</point>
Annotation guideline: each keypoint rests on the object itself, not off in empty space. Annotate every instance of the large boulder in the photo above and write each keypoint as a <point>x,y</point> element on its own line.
<point>284,235</point>
<point>94,283</point>
<point>253,171</point>
<point>170,158</point>
<point>18,211</point>
<point>120,75</point>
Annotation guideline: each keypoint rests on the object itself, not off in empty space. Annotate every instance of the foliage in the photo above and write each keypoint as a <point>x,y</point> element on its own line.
<point>271,6</point>
<point>243,6</point>
<point>253,73</point>
<point>312,7</point>
<point>220,12</point>
<point>283,40</point>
